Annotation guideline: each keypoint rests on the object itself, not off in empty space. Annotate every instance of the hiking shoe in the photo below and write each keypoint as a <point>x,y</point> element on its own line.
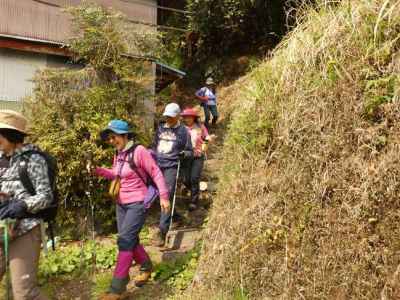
<point>192,207</point>
<point>141,279</point>
<point>159,240</point>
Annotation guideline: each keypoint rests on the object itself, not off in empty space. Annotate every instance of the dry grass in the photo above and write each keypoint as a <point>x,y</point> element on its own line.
<point>308,203</point>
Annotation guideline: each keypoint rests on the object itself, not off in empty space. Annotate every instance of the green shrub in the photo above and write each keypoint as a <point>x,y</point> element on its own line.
<point>69,107</point>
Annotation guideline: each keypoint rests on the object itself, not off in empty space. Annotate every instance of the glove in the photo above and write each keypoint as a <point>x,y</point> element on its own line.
<point>204,147</point>
<point>14,209</point>
<point>185,154</point>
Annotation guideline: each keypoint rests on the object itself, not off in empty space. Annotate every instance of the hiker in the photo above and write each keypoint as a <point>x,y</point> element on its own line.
<point>208,98</point>
<point>171,144</point>
<point>18,204</point>
<point>132,164</point>
<point>193,167</point>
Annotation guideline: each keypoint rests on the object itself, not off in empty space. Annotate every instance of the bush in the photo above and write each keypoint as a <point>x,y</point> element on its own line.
<point>70,106</point>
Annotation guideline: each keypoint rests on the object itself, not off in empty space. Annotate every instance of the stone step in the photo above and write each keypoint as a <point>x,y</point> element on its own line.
<point>182,239</point>
<point>158,256</point>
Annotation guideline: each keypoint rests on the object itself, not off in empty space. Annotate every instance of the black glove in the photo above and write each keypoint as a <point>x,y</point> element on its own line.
<point>13,209</point>
<point>185,154</point>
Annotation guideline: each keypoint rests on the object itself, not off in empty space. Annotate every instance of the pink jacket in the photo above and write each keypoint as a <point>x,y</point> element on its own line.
<point>133,188</point>
<point>198,134</point>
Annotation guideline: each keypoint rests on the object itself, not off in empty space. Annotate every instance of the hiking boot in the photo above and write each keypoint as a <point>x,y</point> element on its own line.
<point>145,274</point>
<point>159,240</point>
<point>142,278</point>
<point>192,206</point>
<point>117,290</point>
<point>177,221</point>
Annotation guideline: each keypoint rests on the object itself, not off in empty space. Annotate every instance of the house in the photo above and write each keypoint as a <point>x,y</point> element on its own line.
<point>32,36</point>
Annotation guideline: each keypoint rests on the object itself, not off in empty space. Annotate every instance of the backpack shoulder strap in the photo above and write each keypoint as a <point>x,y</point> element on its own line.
<point>132,164</point>
<point>131,157</point>
<point>23,172</point>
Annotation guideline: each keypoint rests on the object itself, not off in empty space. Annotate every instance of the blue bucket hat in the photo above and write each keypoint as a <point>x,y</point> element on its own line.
<point>115,126</point>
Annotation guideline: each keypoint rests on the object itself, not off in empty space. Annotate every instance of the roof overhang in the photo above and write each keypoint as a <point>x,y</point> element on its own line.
<point>33,45</point>
<point>166,75</point>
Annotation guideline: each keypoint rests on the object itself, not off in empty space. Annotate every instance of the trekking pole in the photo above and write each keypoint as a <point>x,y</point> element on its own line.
<point>89,165</point>
<point>174,199</point>
<point>5,225</point>
<point>6,254</point>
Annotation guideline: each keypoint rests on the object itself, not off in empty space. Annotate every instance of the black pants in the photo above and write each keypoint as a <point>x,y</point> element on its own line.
<point>192,170</point>
<point>170,180</point>
<point>208,111</point>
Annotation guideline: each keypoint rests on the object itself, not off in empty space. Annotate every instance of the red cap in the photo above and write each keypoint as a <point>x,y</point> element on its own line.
<point>189,112</point>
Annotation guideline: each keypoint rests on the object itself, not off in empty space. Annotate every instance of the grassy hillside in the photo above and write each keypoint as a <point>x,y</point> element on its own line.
<point>308,204</point>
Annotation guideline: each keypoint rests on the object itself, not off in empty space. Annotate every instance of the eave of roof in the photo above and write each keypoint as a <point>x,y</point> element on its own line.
<point>169,69</point>
<point>33,45</point>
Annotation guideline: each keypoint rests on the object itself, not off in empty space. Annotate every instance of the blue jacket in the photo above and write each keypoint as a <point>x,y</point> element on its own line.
<point>169,142</point>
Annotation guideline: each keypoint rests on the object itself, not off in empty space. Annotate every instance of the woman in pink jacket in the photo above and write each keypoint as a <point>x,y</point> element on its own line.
<point>132,166</point>
<point>193,167</point>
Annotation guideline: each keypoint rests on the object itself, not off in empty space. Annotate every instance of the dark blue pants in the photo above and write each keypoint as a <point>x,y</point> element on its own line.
<point>208,111</point>
<point>170,180</point>
<point>191,171</point>
<point>130,220</point>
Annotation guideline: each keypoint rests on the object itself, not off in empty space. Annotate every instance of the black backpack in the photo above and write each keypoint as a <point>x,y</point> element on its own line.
<point>49,213</point>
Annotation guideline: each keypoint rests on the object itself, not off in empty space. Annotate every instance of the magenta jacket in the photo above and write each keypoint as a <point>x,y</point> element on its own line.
<point>133,188</point>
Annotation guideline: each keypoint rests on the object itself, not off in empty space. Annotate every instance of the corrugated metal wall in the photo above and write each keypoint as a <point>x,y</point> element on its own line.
<point>144,12</point>
<point>37,20</point>
<point>30,19</point>
<point>17,69</point>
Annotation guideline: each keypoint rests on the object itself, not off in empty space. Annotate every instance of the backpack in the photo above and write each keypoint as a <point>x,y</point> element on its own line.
<point>49,213</point>
<point>152,190</point>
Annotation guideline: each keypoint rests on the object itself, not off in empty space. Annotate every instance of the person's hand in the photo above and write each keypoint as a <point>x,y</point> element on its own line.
<point>203,99</point>
<point>185,154</point>
<point>4,196</point>
<point>13,209</point>
<point>212,138</point>
<point>18,209</point>
<point>92,170</point>
<point>204,148</point>
<point>165,206</point>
